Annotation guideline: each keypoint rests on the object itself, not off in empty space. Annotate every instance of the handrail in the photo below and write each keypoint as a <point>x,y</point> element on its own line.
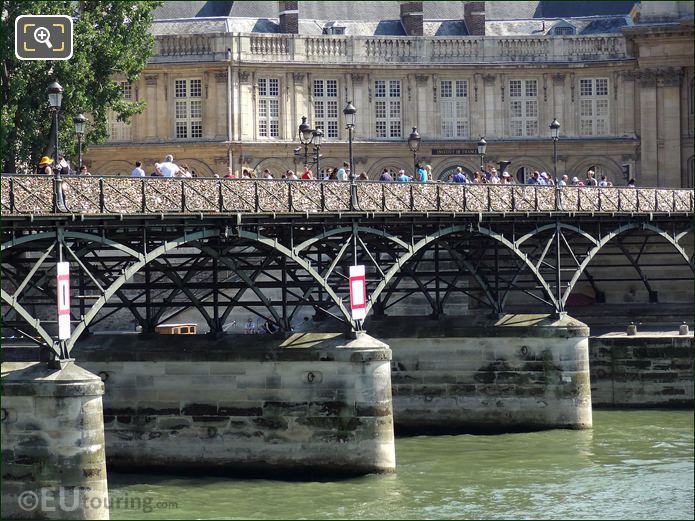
<point>23,194</point>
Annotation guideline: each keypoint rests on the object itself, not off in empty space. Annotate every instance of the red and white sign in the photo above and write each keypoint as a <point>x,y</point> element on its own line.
<point>63,292</point>
<point>358,293</point>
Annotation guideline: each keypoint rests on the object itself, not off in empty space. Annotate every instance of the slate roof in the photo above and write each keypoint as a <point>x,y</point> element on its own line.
<point>588,25</point>
<point>382,18</point>
<point>367,11</point>
<point>523,10</point>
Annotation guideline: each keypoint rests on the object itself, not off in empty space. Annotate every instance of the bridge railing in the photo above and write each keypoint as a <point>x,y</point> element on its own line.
<point>31,194</point>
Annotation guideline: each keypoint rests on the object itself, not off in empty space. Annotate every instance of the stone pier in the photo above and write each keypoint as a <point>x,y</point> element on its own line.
<point>53,461</point>
<point>647,369</point>
<point>471,374</point>
<point>314,404</point>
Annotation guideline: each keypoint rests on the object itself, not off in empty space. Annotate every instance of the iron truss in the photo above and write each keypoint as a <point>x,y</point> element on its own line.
<point>275,264</point>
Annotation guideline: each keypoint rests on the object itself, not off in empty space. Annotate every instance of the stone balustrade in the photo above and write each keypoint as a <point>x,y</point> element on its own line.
<point>388,49</point>
<point>30,195</point>
<point>319,49</point>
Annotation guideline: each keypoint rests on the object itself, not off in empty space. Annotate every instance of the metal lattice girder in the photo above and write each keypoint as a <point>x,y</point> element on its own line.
<point>275,266</point>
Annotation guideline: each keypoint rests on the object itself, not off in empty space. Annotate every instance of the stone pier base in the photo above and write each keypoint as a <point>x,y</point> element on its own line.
<point>312,405</point>
<point>469,375</point>
<point>53,462</point>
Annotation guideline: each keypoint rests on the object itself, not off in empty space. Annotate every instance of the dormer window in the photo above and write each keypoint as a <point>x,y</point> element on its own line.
<point>563,28</point>
<point>333,28</point>
<point>563,31</point>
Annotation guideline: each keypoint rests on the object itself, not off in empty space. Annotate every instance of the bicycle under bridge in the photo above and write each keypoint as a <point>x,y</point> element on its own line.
<point>151,245</point>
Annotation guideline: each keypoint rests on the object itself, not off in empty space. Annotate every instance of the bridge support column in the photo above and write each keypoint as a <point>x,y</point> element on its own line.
<point>469,374</point>
<point>312,404</point>
<point>53,460</point>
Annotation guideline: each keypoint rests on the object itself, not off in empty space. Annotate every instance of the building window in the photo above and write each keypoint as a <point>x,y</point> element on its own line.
<point>326,107</point>
<point>523,108</point>
<point>454,108</point>
<point>563,31</point>
<point>387,108</point>
<point>593,107</point>
<point>120,130</point>
<point>268,107</point>
<point>188,109</point>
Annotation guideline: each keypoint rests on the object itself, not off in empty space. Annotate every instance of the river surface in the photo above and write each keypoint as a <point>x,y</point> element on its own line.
<point>631,465</point>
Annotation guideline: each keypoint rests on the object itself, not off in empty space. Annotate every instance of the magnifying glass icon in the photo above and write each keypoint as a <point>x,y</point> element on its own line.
<point>43,35</point>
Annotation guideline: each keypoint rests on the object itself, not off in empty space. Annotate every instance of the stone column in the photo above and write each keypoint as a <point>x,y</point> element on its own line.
<point>151,112</point>
<point>299,106</point>
<point>648,128</point>
<point>558,108</point>
<point>164,117</point>
<point>475,116</point>
<point>53,459</point>
<point>669,159</point>
<point>247,109</point>
<point>571,108</point>
<point>219,103</point>
<point>489,104</point>
<point>426,115</point>
<point>212,111</point>
<point>627,110</point>
<point>366,123</point>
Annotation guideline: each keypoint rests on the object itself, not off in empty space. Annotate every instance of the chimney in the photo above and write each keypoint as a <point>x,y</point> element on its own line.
<point>474,16</point>
<point>289,17</point>
<point>411,18</point>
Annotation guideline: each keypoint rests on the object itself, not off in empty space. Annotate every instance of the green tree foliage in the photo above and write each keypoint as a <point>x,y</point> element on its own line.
<point>111,41</point>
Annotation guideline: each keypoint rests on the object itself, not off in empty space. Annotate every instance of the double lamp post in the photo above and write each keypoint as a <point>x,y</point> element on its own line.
<point>55,100</point>
<point>309,136</point>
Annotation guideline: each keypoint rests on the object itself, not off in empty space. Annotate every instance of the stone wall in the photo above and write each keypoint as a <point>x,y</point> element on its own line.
<point>646,370</point>
<point>521,372</point>
<point>316,403</point>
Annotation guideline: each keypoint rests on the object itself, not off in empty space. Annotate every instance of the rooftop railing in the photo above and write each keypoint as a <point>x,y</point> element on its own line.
<point>35,195</point>
<point>336,49</point>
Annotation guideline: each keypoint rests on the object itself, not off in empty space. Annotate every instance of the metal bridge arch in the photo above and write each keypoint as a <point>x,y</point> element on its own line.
<point>612,235</point>
<point>273,244</point>
<point>450,231</point>
<point>141,260</point>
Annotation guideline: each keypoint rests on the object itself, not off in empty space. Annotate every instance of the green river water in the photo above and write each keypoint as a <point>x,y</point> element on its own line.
<point>631,465</point>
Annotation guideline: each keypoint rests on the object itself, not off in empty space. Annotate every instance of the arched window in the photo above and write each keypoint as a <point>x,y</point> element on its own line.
<point>689,180</point>
<point>450,171</point>
<point>523,173</point>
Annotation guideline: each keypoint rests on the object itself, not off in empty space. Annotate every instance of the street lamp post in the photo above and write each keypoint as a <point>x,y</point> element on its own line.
<point>350,113</point>
<point>316,140</point>
<point>555,134</point>
<point>482,146</point>
<point>55,98</point>
<point>305,137</point>
<point>414,145</point>
<point>80,122</point>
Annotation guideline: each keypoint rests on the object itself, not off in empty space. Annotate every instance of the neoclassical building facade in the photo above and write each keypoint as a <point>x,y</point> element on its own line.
<point>229,84</point>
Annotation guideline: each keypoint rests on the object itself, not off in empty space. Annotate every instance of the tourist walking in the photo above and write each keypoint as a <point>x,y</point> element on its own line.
<point>168,168</point>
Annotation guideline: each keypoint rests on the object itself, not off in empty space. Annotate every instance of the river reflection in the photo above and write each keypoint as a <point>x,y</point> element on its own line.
<point>632,465</point>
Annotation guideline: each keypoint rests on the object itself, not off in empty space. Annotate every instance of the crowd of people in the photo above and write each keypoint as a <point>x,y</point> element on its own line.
<point>422,174</point>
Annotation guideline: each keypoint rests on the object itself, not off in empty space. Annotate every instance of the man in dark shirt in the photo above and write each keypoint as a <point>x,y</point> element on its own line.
<point>385,176</point>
